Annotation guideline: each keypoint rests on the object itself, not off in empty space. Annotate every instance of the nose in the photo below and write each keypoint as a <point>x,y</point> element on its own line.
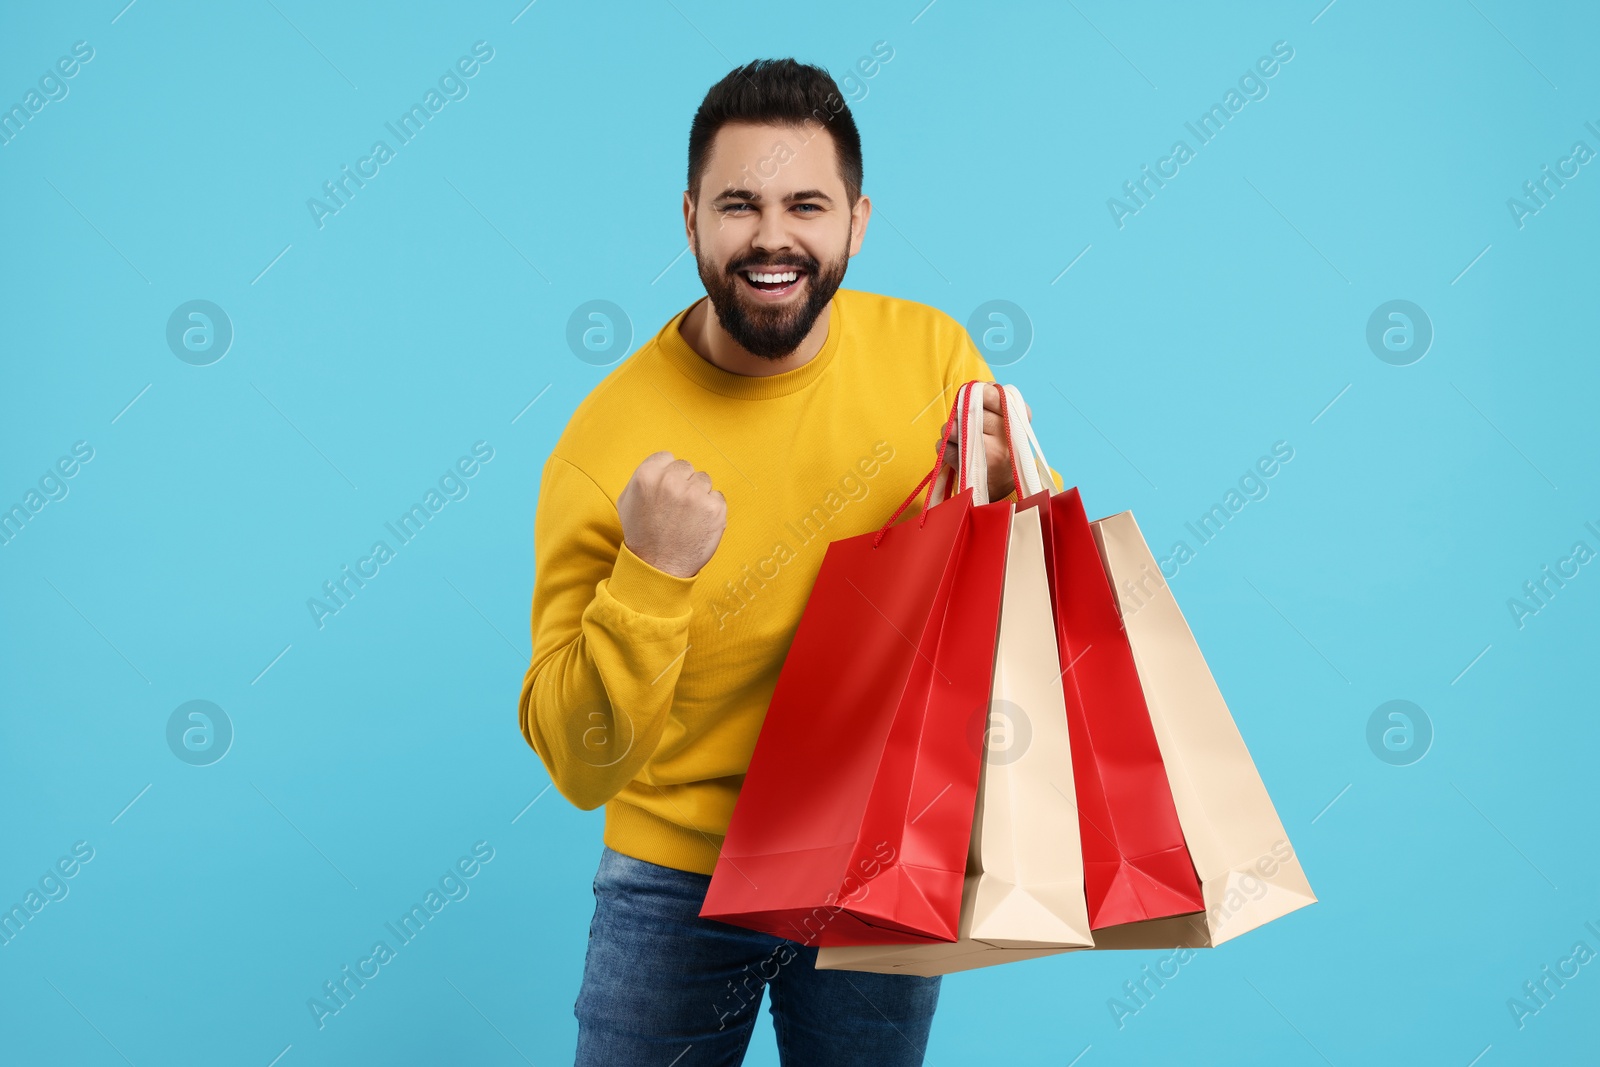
<point>772,232</point>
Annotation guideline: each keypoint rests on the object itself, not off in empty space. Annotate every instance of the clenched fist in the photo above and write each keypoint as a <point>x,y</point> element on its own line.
<point>671,517</point>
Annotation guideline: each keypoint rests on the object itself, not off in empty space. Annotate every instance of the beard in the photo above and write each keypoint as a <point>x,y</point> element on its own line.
<point>771,331</point>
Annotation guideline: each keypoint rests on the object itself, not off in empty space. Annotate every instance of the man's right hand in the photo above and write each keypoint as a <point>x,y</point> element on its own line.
<point>671,517</point>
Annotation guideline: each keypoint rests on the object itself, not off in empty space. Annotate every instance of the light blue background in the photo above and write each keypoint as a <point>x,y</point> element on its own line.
<point>427,314</point>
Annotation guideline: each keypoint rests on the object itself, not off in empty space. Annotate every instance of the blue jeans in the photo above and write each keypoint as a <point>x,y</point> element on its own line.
<point>663,987</point>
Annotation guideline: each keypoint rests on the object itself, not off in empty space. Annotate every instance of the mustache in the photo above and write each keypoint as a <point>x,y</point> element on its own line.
<point>805,263</point>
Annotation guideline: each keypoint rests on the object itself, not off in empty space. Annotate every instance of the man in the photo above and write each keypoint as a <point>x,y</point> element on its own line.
<point>682,519</point>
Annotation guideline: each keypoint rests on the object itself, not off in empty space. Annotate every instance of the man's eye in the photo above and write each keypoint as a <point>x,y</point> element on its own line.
<point>734,207</point>
<point>813,207</point>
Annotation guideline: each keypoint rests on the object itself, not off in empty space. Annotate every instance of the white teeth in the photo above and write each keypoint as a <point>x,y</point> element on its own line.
<point>772,279</point>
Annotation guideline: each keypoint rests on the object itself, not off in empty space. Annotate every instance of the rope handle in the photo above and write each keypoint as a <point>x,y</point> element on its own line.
<point>973,461</point>
<point>1034,474</point>
<point>970,469</point>
<point>1011,439</point>
<point>967,467</point>
<point>927,479</point>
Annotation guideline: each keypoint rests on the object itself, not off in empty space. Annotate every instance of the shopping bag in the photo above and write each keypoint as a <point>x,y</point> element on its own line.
<point>1248,869</point>
<point>1024,891</point>
<point>1136,866</point>
<point>854,819</point>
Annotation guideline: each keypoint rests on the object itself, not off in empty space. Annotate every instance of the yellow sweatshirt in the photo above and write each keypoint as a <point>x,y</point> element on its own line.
<point>646,691</point>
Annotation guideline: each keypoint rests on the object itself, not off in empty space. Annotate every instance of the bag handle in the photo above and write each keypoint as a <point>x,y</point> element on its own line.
<point>1034,473</point>
<point>1029,470</point>
<point>971,468</point>
<point>927,479</point>
<point>971,460</point>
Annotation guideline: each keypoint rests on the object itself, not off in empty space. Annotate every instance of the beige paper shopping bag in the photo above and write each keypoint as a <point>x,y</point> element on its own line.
<point>1249,874</point>
<point>1023,895</point>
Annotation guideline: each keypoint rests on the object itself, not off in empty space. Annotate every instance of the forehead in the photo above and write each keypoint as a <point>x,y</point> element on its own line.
<point>785,158</point>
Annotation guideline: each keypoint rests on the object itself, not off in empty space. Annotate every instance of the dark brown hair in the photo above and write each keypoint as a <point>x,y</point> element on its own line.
<point>777,92</point>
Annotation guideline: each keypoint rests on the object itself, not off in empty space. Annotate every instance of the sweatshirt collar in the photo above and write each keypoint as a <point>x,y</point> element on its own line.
<point>743,386</point>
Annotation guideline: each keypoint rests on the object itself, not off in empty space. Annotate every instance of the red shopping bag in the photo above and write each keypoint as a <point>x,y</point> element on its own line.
<point>854,819</point>
<point>1136,864</point>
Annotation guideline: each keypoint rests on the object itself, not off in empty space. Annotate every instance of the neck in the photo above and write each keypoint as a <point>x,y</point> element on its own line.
<point>703,333</point>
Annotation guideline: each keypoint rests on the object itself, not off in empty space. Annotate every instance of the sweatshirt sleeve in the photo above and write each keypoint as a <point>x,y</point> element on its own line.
<point>968,364</point>
<point>609,636</point>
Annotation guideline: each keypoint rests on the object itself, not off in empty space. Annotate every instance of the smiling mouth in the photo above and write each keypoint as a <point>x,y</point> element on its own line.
<point>773,282</point>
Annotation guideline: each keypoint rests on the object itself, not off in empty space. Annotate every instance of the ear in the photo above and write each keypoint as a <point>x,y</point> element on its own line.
<point>859,215</point>
<point>688,221</point>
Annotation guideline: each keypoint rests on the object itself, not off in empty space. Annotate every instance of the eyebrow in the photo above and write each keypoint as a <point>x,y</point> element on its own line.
<point>755,198</point>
